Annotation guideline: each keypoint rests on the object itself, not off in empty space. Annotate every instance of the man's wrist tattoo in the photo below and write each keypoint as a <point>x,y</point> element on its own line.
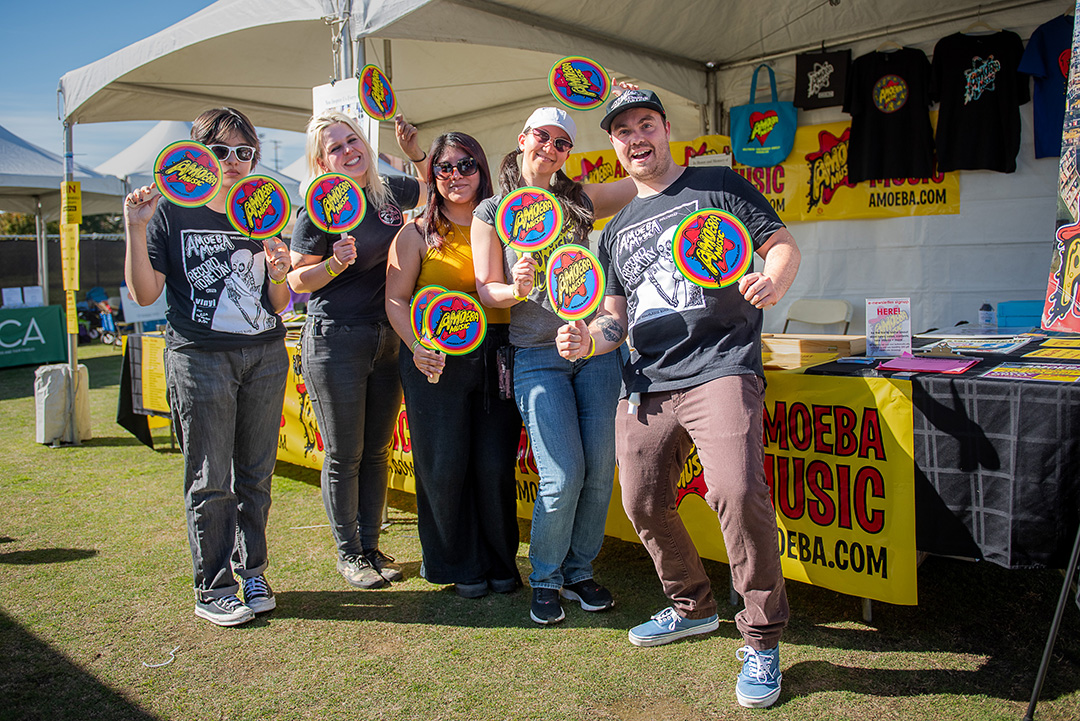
<point>611,330</point>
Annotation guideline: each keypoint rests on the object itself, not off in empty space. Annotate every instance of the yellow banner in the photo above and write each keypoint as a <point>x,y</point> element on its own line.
<point>69,256</point>
<point>811,184</point>
<point>71,312</point>
<point>839,459</point>
<point>154,397</point>
<point>70,203</point>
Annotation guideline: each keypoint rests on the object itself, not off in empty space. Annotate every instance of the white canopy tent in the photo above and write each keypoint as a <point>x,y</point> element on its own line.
<point>481,66</point>
<point>30,179</point>
<point>135,163</point>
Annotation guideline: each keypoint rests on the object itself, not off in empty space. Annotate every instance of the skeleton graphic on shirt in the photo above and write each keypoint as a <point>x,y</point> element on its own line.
<point>226,282</point>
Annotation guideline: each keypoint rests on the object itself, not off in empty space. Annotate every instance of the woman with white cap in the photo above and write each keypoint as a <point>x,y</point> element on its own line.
<point>568,407</point>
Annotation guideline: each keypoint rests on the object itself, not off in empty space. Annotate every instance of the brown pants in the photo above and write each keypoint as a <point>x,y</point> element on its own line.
<point>723,418</point>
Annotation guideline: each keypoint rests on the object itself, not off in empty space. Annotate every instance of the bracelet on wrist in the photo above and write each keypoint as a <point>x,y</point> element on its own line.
<point>275,281</point>
<point>592,348</point>
<point>513,290</point>
<point>421,159</point>
<point>331,271</point>
<point>414,344</point>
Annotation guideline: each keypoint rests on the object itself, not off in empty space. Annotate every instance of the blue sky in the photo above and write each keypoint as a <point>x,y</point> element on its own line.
<point>44,40</point>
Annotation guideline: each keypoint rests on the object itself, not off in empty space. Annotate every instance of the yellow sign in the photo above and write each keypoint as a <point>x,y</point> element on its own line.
<point>153,374</point>
<point>1056,353</point>
<point>69,255</point>
<point>811,184</point>
<point>70,203</point>
<point>71,313</point>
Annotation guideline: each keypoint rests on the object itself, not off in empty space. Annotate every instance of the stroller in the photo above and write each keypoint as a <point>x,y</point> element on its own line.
<point>97,319</point>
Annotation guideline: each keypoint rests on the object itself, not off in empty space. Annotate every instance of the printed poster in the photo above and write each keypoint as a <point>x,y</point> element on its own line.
<point>888,327</point>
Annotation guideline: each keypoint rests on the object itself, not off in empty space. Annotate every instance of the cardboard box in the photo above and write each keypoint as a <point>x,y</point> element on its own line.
<point>793,345</point>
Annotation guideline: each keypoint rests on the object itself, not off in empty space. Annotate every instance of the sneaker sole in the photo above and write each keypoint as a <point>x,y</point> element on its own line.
<point>547,621</point>
<point>262,605</point>
<point>763,702</point>
<point>218,620</point>
<point>571,596</point>
<point>674,635</point>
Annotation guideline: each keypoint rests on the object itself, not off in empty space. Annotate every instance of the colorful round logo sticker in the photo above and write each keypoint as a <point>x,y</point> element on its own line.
<point>419,304</point>
<point>575,282</point>
<point>187,174</point>
<point>529,219</point>
<point>376,96</point>
<point>454,323</point>
<point>258,207</point>
<point>579,83</point>
<point>890,93</point>
<point>712,248</point>
<point>335,203</point>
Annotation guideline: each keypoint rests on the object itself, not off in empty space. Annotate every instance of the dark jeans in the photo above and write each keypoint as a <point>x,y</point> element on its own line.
<point>351,375</point>
<point>723,419</point>
<point>464,445</point>
<point>226,408</point>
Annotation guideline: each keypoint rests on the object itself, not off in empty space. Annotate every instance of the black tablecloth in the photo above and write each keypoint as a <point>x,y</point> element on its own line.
<point>997,463</point>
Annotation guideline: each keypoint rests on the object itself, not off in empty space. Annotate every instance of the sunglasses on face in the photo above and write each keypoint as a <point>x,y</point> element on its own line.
<point>244,153</point>
<point>465,166</point>
<point>542,136</point>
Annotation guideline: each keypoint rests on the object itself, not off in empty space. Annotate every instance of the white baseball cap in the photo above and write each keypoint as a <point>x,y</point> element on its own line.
<point>552,116</point>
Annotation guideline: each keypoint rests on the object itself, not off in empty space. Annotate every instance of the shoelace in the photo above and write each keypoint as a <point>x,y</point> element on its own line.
<point>230,603</point>
<point>255,586</point>
<point>668,617</point>
<point>757,666</point>
<point>359,561</point>
<point>378,555</point>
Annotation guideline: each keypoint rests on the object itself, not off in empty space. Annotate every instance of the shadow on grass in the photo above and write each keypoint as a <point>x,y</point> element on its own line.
<point>36,683</point>
<point>120,441</point>
<point>46,555</point>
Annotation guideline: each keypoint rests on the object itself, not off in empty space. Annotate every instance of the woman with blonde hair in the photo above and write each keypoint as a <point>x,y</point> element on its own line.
<point>348,348</point>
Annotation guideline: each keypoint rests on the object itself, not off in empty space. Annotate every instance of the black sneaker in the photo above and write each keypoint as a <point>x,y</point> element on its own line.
<point>258,595</point>
<point>358,572</point>
<point>384,565</point>
<point>224,611</point>
<point>546,608</point>
<point>591,595</point>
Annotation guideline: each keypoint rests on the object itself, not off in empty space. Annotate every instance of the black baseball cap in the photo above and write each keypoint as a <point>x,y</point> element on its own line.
<point>631,99</point>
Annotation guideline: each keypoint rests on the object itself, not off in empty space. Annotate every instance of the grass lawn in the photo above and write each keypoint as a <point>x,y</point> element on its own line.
<point>95,582</point>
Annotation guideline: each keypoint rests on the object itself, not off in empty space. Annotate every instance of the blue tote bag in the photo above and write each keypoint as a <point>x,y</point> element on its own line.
<point>762,133</point>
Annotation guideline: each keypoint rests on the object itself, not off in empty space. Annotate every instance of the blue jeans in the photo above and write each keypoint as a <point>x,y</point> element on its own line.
<point>352,377</point>
<point>226,408</point>
<point>569,412</point>
<point>464,447</point>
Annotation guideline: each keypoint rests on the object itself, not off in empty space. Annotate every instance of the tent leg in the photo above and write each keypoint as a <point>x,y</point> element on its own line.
<point>1066,586</point>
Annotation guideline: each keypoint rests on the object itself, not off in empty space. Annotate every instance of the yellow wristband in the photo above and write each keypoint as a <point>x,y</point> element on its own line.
<point>519,297</point>
<point>592,348</point>
<point>278,282</point>
<point>330,270</point>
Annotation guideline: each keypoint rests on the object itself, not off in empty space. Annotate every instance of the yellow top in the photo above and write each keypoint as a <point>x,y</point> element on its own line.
<point>452,268</point>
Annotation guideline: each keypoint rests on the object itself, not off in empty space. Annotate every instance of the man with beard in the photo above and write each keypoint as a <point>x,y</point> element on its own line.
<point>694,377</point>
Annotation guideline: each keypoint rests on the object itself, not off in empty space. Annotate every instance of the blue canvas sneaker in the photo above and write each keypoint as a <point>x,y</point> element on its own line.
<point>668,626</point>
<point>759,681</point>
<point>258,596</point>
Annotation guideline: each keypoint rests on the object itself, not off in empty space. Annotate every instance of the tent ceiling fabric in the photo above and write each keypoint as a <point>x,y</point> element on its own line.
<point>465,64</point>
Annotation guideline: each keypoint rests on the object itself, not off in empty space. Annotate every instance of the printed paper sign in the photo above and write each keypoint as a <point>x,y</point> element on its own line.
<point>888,327</point>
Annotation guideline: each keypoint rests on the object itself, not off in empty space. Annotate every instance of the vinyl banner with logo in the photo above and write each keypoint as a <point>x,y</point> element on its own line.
<point>838,457</point>
<point>32,336</point>
<point>811,184</point>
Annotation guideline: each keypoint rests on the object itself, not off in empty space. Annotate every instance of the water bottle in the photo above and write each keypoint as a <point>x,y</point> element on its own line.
<point>987,316</point>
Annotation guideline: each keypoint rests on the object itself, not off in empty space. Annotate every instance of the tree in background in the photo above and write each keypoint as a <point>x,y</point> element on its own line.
<point>23,224</point>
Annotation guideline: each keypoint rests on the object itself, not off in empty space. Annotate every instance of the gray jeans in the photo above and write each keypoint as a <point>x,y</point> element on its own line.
<point>226,408</point>
<point>723,418</point>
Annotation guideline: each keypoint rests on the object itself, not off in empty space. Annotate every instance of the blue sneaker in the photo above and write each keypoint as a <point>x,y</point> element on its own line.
<point>668,626</point>
<point>759,681</point>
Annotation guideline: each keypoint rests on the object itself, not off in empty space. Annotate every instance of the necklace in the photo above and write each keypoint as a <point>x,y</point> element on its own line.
<point>460,231</point>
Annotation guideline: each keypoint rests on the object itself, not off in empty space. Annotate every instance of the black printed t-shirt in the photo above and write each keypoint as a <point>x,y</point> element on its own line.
<point>888,97</point>
<point>976,81</point>
<point>215,280</point>
<point>682,335</point>
<point>358,295</point>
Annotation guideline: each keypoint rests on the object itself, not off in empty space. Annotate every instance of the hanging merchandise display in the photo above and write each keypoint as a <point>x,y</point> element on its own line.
<point>821,78</point>
<point>762,133</point>
<point>888,97</point>
<point>975,79</point>
<point>1046,59</point>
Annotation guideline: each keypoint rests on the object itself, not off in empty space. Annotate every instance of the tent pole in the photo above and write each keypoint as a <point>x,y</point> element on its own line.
<point>43,251</point>
<point>71,434</point>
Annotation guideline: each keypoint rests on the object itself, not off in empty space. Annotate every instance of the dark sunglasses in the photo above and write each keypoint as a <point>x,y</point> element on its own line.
<point>561,144</point>
<point>244,153</point>
<point>465,166</point>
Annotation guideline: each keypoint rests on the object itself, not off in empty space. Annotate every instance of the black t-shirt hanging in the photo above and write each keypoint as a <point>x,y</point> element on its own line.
<point>888,97</point>
<point>974,78</point>
<point>821,78</point>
